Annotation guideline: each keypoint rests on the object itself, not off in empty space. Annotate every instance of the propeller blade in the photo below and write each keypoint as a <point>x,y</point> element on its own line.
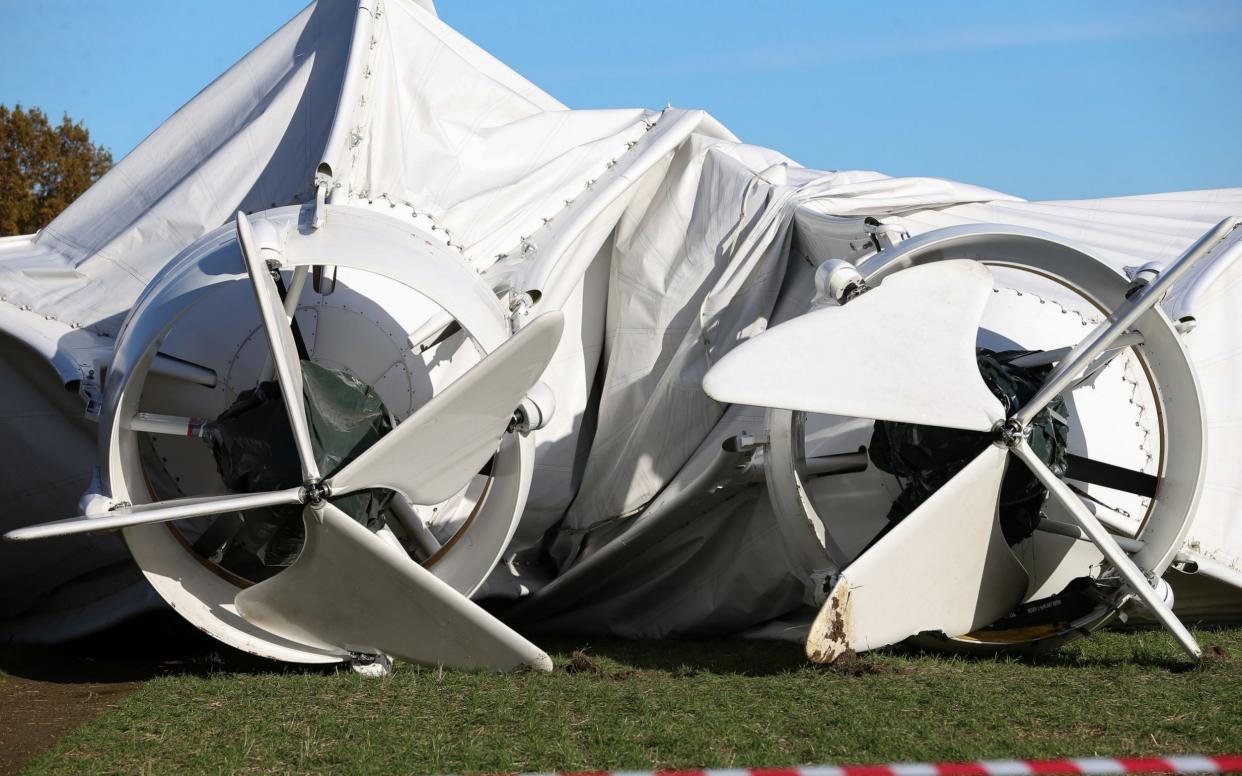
<point>946,568</point>
<point>284,349</point>
<point>1135,579</point>
<point>1107,334</point>
<point>159,512</point>
<point>351,590</point>
<point>433,453</point>
<point>904,351</point>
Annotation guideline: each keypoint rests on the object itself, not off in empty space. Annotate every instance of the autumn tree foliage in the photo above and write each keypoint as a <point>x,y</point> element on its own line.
<point>43,167</point>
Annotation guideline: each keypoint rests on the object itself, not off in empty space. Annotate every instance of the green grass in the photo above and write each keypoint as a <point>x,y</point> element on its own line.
<point>677,704</point>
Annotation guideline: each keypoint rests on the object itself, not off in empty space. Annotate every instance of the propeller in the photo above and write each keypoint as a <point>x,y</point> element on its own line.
<point>945,567</point>
<point>350,589</point>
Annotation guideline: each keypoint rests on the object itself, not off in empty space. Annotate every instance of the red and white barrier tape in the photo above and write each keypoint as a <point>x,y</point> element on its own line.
<point>1229,763</point>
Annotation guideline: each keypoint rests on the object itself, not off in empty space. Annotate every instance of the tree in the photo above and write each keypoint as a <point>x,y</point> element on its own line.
<point>43,168</point>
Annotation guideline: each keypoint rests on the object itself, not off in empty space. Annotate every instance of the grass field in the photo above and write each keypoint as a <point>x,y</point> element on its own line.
<point>626,705</point>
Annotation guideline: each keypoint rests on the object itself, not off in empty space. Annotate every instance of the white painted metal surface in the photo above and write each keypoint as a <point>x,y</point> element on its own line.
<point>944,568</point>
<point>435,452</point>
<point>351,590</point>
<point>366,241</point>
<point>858,359</point>
<point>280,340</point>
<point>147,514</point>
<point>1167,525</point>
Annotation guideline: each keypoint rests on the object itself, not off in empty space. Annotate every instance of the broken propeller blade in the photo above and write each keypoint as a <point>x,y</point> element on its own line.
<point>945,567</point>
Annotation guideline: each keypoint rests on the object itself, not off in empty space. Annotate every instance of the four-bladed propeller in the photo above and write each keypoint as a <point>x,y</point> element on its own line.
<point>349,589</point>
<point>905,351</point>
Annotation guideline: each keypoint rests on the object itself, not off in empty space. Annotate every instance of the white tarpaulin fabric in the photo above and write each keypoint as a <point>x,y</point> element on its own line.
<point>245,142</point>
<point>664,238</point>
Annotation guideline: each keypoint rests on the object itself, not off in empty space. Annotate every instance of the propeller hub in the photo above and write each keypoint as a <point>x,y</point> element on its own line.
<point>1012,432</point>
<point>315,492</point>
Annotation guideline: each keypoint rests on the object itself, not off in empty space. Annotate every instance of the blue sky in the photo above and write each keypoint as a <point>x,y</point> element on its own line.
<point>1046,99</point>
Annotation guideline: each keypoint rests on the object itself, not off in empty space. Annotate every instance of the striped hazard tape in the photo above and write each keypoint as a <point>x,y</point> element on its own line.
<point>1228,763</point>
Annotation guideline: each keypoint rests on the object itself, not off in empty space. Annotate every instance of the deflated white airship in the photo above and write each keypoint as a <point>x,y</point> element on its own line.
<point>373,331</point>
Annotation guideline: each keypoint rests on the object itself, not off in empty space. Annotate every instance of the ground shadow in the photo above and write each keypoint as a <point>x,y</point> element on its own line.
<point>143,648</point>
<point>765,658</point>
<point>1079,653</point>
<point>163,644</point>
